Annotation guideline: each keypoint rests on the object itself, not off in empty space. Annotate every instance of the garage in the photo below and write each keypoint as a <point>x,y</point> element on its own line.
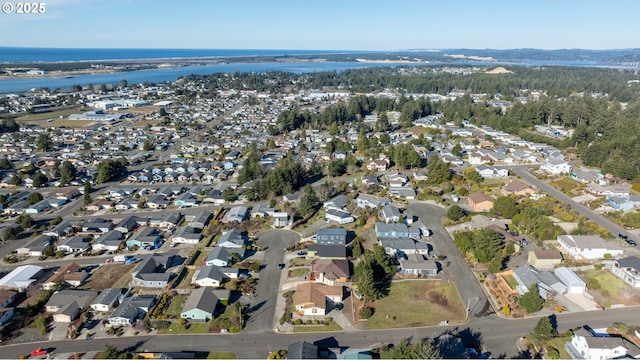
<point>574,284</point>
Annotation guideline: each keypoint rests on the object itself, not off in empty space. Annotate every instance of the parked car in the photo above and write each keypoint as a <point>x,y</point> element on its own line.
<point>302,252</point>
<point>281,266</point>
<point>39,352</point>
<point>623,236</point>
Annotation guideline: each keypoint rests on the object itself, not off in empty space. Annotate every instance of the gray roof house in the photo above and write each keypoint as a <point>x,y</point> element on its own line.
<point>232,239</point>
<point>547,282</point>
<point>218,257</point>
<point>337,202</point>
<point>394,230</point>
<point>200,305</point>
<point>211,276</point>
<point>331,236</point>
<point>129,309</point>
<point>106,300</point>
<point>109,241</point>
<point>237,214</point>
<point>302,350</point>
<point>415,264</point>
<point>151,272</point>
<point>201,220</point>
<point>400,247</point>
<point>628,269</point>
<point>389,213</point>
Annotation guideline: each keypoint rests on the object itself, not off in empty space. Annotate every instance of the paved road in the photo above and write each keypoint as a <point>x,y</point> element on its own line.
<point>583,210</point>
<point>468,286</point>
<point>264,305</point>
<point>497,335</point>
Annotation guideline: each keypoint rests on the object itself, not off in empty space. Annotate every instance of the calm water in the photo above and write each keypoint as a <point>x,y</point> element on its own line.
<point>172,74</point>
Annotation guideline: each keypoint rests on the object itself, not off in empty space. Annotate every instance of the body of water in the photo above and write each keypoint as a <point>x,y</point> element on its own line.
<point>172,74</point>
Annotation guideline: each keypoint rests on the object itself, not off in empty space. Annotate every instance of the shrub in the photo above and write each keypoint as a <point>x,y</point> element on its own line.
<point>597,267</point>
<point>328,320</point>
<point>593,284</point>
<point>297,322</point>
<point>366,312</point>
<point>553,353</point>
<point>605,292</point>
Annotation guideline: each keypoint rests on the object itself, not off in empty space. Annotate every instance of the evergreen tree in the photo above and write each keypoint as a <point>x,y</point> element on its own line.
<point>34,197</point>
<point>544,330</point>
<point>437,171</point>
<point>531,300</point>
<point>455,212</point>
<point>67,172</point>
<point>44,143</point>
<point>39,179</point>
<point>309,201</point>
<point>87,193</point>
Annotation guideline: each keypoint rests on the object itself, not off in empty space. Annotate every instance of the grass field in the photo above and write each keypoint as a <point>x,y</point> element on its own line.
<point>299,261</point>
<point>612,285</point>
<point>47,115</point>
<point>558,343</point>
<point>565,184</point>
<point>193,328</point>
<point>176,306</point>
<point>221,355</point>
<point>417,303</point>
<point>299,272</point>
<point>313,328</point>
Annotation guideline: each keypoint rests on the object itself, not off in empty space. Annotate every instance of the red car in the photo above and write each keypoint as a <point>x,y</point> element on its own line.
<point>39,352</point>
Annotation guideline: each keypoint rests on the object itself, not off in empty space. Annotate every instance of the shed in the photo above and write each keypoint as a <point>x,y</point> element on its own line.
<point>574,284</point>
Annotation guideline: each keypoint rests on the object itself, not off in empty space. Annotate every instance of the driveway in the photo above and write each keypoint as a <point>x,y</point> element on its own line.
<point>263,306</point>
<point>468,286</point>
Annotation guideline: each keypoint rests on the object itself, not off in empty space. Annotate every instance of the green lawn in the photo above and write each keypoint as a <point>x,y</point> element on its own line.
<point>193,328</point>
<point>558,343</point>
<point>417,303</point>
<point>299,261</point>
<point>314,328</point>
<point>48,115</point>
<point>607,281</point>
<point>176,306</point>
<point>565,184</point>
<point>511,281</point>
<point>299,272</point>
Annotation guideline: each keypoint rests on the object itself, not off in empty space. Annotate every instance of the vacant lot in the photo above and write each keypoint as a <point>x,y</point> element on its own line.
<point>565,185</point>
<point>107,276</point>
<point>417,303</point>
<point>611,288</point>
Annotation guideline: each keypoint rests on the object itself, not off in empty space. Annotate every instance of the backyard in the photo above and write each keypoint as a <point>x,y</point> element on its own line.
<point>566,185</point>
<point>108,275</point>
<point>413,303</point>
<point>608,288</point>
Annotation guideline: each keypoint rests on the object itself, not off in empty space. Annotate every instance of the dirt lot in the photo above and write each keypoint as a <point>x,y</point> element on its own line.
<point>107,275</point>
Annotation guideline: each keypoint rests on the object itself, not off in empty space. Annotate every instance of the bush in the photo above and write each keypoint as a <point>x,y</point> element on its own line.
<point>328,320</point>
<point>285,318</point>
<point>297,322</point>
<point>597,267</point>
<point>366,312</point>
<point>605,292</point>
<point>593,284</point>
<point>553,353</point>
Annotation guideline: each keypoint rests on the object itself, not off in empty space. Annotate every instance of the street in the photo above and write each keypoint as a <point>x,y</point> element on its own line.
<point>614,229</point>
<point>497,335</point>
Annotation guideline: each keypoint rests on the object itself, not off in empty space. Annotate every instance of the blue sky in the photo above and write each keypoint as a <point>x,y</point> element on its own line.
<point>327,24</point>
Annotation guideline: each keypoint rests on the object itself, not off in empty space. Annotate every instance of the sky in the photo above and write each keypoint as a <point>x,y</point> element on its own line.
<point>326,24</point>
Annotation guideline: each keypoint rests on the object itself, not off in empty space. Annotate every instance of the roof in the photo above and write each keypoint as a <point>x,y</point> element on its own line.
<point>329,251</point>
<point>302,350</point>
<point>332,269</point>
<point>568,277</point>
<point>315,294</point>
<point>201,299</point>
<point>630,262</point>
<point>63,297</point>
<point>20,277</point>
<point>210,272</point>
<point>547,254</point>
<point>332,231</point>
<point>515,185</point>
<point>586,242</point>
<point>477,198</point>
<point>107,296</point>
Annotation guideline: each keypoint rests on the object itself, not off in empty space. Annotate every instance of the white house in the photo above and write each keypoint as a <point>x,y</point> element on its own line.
<point>589,346</point>
<point>339,216</point>
<point>628,269</point>
<point>555,166</point>
<point>574,284</point>
<point>587,247</point>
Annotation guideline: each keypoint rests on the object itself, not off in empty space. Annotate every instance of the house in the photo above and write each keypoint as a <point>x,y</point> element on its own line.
<point>211,276</point>
<point>69,274</point>
<point>394,230</point>
<point>338,202</point>
<point>130,309</point>
<point>219,256</point>
<point>365,201</point>
<point>517,187</point>
<point>330,271</point>
<point>129,223</point>
<point>280,219</point>
<point>186,235</point>
<point>97,225</point>
<point>36,247</point>
<point>62,229</point>
<point>201,220</point>
<point>106,300</point>
<point>480,202</point>
<point>302,350</point>
<point>186,200</point>
<point>327,251</point>
<point>574,284</point>
<point>74,244</point>
<point>109,241</point>
<point>151,273</point>
<point>232,239</point>
<point>66,305</point>
<point>261,210</point>
<point>587,247</point>
<point>490,172</point>
<point>406,192</point>
<point>339,216</point>
<point>389,213</point>
<point>548,283</point>
<point>415,264</point>
<point>145,237</point>
<point>237,214</point>
<point>544,259</point>
<point>200,306</point>
<point>555,166</point>
<point>401,247</point>
<point>371,181</point>
<point>166,221</point>
<point>377,164</point>
<point>316,299</point>
<point>586,344</point>
<point>628,269</point>
<point>21,277</point>
<point>331,236</point>
<point>624,203</point>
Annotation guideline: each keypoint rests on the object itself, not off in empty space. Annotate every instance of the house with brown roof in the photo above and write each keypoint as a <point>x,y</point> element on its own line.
<point>316,299</point>
<point>377,164</point>
<point>67,274</point>
<point>330,271</point>
<point>480,202</point>
<point>544,259</point>
<point>517,187</point>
